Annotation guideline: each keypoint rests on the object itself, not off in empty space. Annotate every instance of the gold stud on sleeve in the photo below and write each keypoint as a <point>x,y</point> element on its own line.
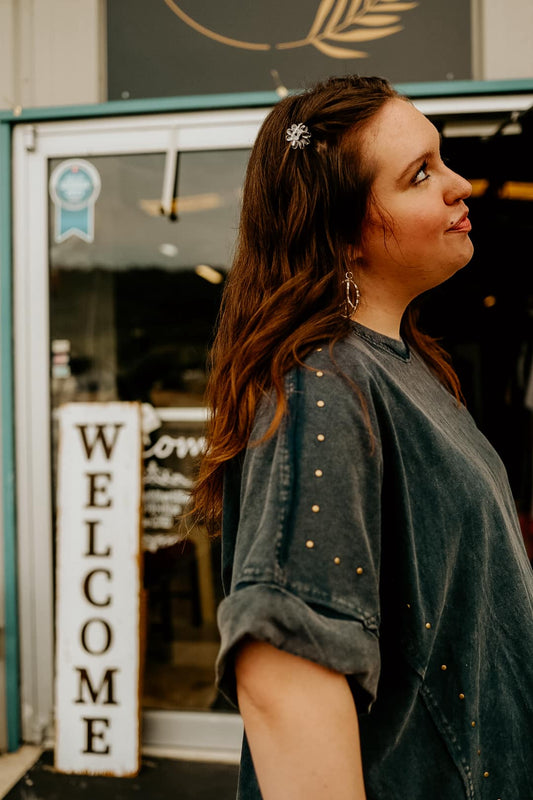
<point>336,560</point>
<point>486,774</point>
<point>320,403</point>
<point>473,723</point>
<point>443,667</point>
<point>318,473</point>
<point>315,508</point>
<point>461,696</point>
<point>359,570</point>
<point>319,373</point>
<point>319,349</point>
<point>428,625</point>
<point>320,437</point>
<point>309,544</point>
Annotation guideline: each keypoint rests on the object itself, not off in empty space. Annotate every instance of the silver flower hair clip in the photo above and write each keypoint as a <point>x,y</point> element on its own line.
<point>298,135</point>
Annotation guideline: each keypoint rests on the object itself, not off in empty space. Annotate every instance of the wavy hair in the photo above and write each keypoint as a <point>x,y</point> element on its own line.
<point>302,211</point>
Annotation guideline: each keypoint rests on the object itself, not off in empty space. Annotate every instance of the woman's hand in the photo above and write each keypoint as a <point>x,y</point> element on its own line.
<point>301,725</point>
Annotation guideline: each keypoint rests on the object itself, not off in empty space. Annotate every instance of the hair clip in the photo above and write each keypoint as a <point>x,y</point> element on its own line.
<point>298,135</point>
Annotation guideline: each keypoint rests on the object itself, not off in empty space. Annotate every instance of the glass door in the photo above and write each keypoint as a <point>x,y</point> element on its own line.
<point>124,236</point>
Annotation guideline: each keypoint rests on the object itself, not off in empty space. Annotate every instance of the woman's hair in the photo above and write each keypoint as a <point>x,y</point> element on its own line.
<point>302,212</point>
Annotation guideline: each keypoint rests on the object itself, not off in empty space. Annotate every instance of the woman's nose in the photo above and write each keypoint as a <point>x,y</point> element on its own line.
<point>458,188</point>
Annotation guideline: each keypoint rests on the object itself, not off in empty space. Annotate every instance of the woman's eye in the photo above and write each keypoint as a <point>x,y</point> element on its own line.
<point>422,174</point>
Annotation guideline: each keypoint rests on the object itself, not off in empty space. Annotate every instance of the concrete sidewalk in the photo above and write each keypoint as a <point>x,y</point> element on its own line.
<point>159,779</point>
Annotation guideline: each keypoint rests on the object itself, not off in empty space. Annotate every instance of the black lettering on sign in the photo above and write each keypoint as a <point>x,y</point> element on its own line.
<point>93,734</point>
<point>107,682</point>
<point>92,549</point>
<point>87,588</point>
<point>108,634</point>
<point>102,436</point>
<point>95,488</point>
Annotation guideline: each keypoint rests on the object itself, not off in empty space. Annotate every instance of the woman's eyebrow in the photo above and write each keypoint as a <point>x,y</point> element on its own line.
<point>423,157</point>
<point>419,160</point>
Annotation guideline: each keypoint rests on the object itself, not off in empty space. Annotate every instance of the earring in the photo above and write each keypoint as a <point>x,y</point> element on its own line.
<point>352,295</point>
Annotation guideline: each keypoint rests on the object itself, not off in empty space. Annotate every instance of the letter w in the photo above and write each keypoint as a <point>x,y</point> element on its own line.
<point>107,682</point>
<point>108,446</point>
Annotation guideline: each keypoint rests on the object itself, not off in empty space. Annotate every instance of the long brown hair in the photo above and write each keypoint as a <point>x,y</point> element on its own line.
<point>302,210</point>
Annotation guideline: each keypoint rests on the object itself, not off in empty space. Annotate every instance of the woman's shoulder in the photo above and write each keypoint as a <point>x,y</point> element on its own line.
<point>351,358</point>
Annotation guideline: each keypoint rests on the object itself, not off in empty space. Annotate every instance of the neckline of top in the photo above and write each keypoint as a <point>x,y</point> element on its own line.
<point>396,347</point>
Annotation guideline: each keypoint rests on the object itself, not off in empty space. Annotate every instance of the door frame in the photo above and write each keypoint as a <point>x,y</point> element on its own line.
<point>33,146</point>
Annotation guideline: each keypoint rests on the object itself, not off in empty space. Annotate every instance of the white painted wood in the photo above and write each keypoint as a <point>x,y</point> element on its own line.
<point>32,436</point>
<point>187,730</point>
<point>7,54</point>
<point>98,588</point>
<point>507,30</point>
<point>52,52</point>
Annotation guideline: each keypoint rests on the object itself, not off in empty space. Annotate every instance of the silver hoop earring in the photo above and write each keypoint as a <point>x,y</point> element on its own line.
<point>352,295</point>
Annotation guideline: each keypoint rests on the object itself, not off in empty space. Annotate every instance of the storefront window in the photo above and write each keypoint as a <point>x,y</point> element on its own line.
<point>134,296</point>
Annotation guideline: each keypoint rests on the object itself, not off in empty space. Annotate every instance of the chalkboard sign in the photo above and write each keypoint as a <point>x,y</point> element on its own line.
<point>170,462</point>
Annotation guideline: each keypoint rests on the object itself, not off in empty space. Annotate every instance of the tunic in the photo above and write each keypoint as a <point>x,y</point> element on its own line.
<point>375,533</point>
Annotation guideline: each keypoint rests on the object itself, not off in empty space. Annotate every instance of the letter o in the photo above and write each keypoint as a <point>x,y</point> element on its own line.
<point>108,633</point>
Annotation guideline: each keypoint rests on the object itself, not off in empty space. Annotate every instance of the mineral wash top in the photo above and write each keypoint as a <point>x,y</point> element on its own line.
<point>375,533</point>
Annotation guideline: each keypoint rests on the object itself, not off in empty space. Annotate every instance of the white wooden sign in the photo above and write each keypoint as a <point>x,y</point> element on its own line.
<point>98,588</point>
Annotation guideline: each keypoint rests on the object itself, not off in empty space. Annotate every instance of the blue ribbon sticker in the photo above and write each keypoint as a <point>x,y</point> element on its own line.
<point>74,188</point>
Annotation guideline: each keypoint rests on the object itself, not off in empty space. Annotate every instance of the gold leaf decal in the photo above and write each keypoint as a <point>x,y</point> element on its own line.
<point>363,36</point>
<point>212,34</point>
<point>344,21</point>
<point>321,15</point>
<point>393,6</point>
<point>337,52</point>
<point>374,20</point>
<point>360,21</point>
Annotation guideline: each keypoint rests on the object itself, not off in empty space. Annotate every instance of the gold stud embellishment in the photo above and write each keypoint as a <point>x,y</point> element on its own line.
<point>320,403</point>
<point>336,560</point>
<point>319,373</point>
<point>443,667</point>
<point>359,570</point>
<point>315,508</point>
<point>486,774</point>
<point>320,437</point>
<point>461,696</point>
<point>428,625</point>
<point>473,723</point>
<point>309,544</point>
<point>408,605</point>
<point>319,349</point>
<point>318,473</point>
<point>479,752</point>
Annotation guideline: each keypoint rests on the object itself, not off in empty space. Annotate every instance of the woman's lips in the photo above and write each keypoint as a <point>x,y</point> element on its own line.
<point>463,226</point>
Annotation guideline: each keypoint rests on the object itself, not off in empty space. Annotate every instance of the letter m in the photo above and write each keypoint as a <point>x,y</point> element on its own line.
<point>107,683</point>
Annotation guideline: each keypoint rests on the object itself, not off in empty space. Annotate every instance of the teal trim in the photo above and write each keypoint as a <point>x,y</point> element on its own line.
<point>462,88</point>
<point>8,448</point>
<point>208,102</point>
<point>212,102</point>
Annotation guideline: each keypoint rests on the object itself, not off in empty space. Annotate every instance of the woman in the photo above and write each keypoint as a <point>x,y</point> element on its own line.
<point>377,629</point>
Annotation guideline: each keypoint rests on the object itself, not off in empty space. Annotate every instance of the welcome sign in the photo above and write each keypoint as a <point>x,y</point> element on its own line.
<point>184,47</point>
<point>98,588</point>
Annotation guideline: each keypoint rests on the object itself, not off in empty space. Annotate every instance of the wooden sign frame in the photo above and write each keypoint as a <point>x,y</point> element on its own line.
<point>99,586</point>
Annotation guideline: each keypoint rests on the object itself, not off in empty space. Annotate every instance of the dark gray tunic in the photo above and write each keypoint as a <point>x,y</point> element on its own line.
<point>394,557</point>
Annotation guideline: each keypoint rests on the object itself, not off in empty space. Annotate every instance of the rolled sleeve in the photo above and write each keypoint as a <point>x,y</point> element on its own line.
<point>271,614</point>
<point>301,534</point>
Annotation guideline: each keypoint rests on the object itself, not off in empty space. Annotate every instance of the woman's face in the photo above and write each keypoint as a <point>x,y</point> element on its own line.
<point>416,232</point>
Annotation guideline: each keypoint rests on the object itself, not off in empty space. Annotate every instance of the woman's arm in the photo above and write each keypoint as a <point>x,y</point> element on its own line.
<point>301,725</point>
